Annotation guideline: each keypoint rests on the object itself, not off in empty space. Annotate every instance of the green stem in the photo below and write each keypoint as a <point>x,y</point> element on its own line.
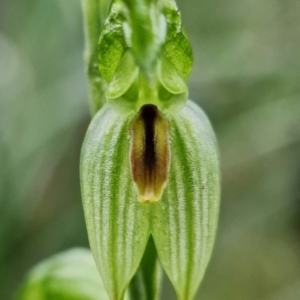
<point>146,283</point>
<point>94,15</point>
<point>145,21</point>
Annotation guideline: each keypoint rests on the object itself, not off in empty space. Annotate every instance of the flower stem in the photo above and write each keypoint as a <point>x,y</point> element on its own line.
<point>94,15</point>
<point>146,283</point>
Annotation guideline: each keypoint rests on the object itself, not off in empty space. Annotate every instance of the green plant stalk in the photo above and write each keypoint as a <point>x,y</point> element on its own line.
<point>146,283</point>
<point>144,19</point>
<point>94,15</point>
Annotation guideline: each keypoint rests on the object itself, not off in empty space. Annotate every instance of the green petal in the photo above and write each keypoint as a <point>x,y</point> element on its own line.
<point>169,77</point>
<point>71,275</point>
<point>123,78</point>
<point>184,221</point>
<point>117,224</point>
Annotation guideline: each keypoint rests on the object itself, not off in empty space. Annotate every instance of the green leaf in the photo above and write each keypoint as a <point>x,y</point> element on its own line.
<point>184,221</point>
<point>118,225</point>
<point>71,275</point>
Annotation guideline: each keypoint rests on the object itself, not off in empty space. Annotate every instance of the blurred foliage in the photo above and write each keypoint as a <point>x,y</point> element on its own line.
<point>246,77</point>
<point>70,275</point>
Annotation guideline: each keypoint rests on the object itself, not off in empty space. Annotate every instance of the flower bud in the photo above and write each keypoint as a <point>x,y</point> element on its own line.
<point>144,56</point>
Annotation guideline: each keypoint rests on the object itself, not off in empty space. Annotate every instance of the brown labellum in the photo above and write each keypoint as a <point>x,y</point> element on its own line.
<point>149,152</point>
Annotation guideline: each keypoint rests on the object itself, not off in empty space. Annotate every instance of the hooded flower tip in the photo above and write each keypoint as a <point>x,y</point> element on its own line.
<point>149,153</point>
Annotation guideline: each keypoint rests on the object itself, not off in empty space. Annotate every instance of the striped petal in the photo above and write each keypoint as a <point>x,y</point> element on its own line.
<point>184,221</point>
<point>118,225</point>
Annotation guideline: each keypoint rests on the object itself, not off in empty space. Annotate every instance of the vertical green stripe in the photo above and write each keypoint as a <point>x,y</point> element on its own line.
<point>100,174</point>
<point>194,149</point>
<point>186,168</point>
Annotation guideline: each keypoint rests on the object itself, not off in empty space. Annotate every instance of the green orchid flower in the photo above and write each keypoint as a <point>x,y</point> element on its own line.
<point>149,167</point>
<point>149,163</point>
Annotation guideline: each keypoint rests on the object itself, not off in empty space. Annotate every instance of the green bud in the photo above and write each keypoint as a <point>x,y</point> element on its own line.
<point>144,55</point>
<point>128,163</point>
<point>71,275</point>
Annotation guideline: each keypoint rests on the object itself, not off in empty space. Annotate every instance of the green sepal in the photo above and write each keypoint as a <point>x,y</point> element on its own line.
<point>179,52</point>
<point>184,221</point>
<point>177,48</point>
<point>112,44</point>
<point>118,225</point>
<point>71,275</point>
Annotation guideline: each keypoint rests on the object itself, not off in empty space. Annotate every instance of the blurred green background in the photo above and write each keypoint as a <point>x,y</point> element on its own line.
<point>246,77</point>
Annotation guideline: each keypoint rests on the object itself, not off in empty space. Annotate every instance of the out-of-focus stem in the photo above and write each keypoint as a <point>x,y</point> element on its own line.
<point>94,15</point>
<point>146,283</point>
